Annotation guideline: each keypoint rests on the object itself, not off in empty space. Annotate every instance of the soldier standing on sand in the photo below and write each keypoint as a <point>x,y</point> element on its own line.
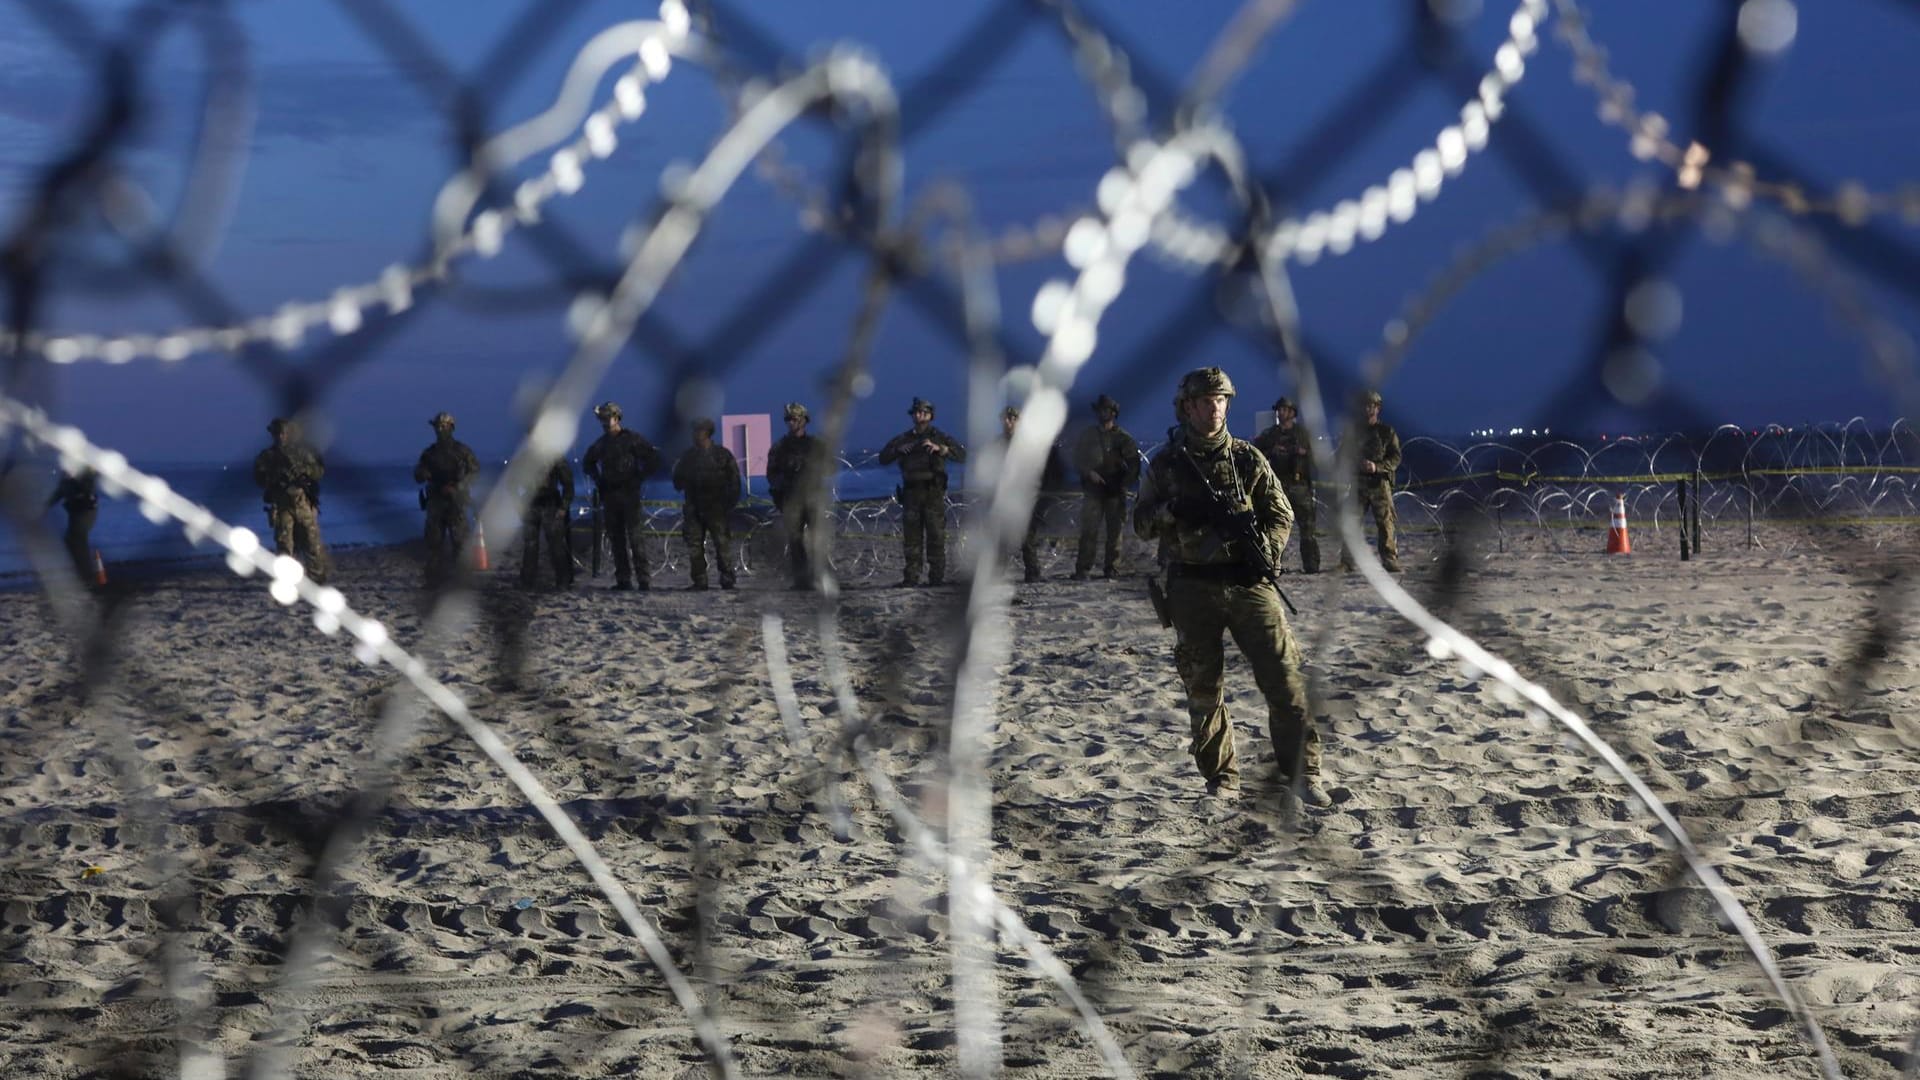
<point>1379,457</point>
<point>796,472</point>
<point>1201,476</point>
<point>288,473</point>
<point>79,495</point>
<point>549,515</point>
<point>923,452</point>
<point>1108,460</point>
<point>447,468</point>
<point>618,462</point>
<point>710,476</point>
<point>1291,455</point>
<point>1051,476</point>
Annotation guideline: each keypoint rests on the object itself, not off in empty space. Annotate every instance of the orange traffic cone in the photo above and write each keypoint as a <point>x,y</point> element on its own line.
<point>99,568</point>
<point>1617,542</point>
<point>480,549</point>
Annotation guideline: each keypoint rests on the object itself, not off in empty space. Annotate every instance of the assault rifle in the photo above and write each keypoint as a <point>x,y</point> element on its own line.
<point>1239,526</point>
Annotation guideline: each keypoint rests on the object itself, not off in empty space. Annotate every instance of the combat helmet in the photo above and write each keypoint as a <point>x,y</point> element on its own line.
<point>1011,412</point>
<point>1203,381</point>
<point>441,420</point>
<point>1105,403</point>
<point>1370,397</point>
<point>1285,403</point>
<point>607,410</point>
<point>278,424</point>
<point>795,411</point>
<point>703,423</point>
<point>918,404</point>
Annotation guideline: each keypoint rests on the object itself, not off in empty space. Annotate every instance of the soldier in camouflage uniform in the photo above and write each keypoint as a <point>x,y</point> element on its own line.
<point>1108,461</point>
<point>796,475</point>
<point>447,468</point>
<point>1379,457</point>
<point>79,495</point>
<point>1212,590</point>
<point>288,473</point>
<point>549,517</point>
<point>923,452</point>
<point>709,475</point>
<point>1291,455</point>
<point>1052,475</point>
<point>618,462</point>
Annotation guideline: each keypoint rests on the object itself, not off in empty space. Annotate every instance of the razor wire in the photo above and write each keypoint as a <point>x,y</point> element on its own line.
<point>1137,208</point>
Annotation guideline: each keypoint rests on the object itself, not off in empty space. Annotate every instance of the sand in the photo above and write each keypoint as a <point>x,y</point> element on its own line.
<point>1481,899</point>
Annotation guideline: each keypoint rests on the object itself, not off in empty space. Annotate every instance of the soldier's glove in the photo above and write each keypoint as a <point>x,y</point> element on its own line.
<point>1190,508</point>
<point>1241,521</point>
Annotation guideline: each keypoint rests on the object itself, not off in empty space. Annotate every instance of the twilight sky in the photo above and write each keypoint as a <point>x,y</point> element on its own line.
<point>351,136</point>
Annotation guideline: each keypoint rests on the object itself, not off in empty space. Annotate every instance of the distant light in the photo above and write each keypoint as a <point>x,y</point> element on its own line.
<point>1654,309</point>
<point>1767,27</point>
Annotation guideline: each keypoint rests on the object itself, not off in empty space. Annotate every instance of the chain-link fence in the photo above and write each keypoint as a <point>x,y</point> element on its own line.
<point>862,831</point>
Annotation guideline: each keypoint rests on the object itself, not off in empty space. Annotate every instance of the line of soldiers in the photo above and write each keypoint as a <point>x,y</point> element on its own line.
<point>1105,456</point>
<point>289,472</point>
<point>1107,459</point>
<point>1290,453</point>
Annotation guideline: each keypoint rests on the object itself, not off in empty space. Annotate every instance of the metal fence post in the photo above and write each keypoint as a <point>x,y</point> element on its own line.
<point>1747,482</point>
<point>1699,492</point>
<point>1680,492</point>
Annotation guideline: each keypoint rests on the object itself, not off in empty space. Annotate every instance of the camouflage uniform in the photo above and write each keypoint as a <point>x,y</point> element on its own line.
<point>1211,591</point>
<point>288,474</point>
<point>1053,475</point>
<point>447,468</point>
<point>1108,461</point>
<point>923,494</point>
<point>548,517</point>
<point>618,462</point>
<point>797,493</point>
<point>79,496</point>
<point>1380,444</point>
<point>1291,456</point>
<point>710,477</point>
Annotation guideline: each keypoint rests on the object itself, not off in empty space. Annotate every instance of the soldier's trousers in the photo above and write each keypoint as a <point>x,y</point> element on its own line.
<point>625,525</point>
<point>1300,496</point>
<point>796,518</point>
<point>1030,544</point>
<point>446,535</point>
<point>1202,612</point>
<point>1098,509</point>
<point>79,530</point>
<point>697,526</point>
<point>549,523</point>
<point>1377,496</point>
<point>923,531</point>
<point>296,532</point>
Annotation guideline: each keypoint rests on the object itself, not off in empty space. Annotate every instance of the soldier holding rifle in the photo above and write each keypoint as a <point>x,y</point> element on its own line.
<point>1216,506</point>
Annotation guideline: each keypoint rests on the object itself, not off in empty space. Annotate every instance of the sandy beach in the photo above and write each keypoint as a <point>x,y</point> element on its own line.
<point>1481,898</point>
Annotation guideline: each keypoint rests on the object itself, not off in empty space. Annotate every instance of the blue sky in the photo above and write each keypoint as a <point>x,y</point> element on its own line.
<point>350,143</point>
